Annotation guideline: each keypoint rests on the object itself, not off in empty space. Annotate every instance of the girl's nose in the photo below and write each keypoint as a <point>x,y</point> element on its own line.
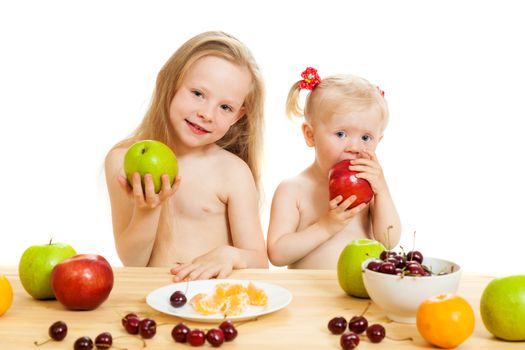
<point>206,113</point>
<point>352,146</point>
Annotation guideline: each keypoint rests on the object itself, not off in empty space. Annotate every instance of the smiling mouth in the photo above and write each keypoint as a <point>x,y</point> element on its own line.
<point>197,128</point>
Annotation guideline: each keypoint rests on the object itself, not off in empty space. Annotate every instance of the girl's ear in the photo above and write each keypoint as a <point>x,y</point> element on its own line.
<point>308,133</point>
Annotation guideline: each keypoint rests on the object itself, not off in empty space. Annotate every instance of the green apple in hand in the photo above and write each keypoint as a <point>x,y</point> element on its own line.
<point>349,270</point>
<point>151,157</point>
<point>502,307</point>
<point>36,265</point>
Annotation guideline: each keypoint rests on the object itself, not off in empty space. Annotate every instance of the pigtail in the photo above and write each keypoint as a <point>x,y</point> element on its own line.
<point>292,102</point>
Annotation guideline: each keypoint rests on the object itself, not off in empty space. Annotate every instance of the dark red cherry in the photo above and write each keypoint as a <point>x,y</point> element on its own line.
<point>374,265</point>
<point>215,337</point>
<point>349,341</point>
<point>376,333</point>
<point>83,343</point>
<point>415,255</point>
<point>104,340</point>
<point>358,324</point>
<point>179,333</point>
<point>147,328</point>
<point>178,299</point>
<point>131,324</point>
<point>196,337</point>
<point>58,330</point>
<point>337,325</point>
<point>388,268</point>
<point>229,330</point>
<point>387,254</point>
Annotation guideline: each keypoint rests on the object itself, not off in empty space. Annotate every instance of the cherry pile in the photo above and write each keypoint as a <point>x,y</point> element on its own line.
<point>401,264</point>
<point>181,333</point>
<point>356,325</point>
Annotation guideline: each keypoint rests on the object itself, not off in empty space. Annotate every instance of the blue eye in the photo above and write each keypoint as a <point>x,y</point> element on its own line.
<point>340,134</point>
<point>366,138</point>
<point>227,108</point>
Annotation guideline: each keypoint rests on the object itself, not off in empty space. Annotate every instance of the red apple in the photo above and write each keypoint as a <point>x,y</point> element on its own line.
<point>82,282</point>
<point>344,182</point>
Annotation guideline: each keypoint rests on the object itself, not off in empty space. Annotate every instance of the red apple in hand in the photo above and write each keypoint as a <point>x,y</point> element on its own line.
<point>344,182</point>
<point>82,282</point>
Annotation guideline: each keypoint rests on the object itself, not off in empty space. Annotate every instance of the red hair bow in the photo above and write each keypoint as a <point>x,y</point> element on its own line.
<point>310,79</point>
<point>380,91</point>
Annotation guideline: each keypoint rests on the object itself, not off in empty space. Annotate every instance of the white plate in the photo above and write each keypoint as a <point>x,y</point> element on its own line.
<point>159,299</point>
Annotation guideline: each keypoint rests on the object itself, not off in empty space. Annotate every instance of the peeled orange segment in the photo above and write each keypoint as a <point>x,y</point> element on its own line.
<point>235,304</point>
<point>207,304</point>
<point>228,289</point>
<point>230,299</point>
<point>256,295</point>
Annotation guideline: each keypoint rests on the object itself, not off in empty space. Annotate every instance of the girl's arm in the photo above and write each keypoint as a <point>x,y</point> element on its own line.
<point>248,249</point>
<point>286,245</point>
<point>135,216</point>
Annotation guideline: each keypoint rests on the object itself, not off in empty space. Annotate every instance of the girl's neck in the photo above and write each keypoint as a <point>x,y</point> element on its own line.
<point>182,150</point>
<point>319,174</point>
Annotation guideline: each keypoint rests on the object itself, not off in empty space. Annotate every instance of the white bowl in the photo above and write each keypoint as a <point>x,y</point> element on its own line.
<point>400,296</point>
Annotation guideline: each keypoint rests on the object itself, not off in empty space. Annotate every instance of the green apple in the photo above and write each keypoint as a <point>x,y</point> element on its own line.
<point>349,271</point>
<point>36,265</point>
<point>150,157</point>
<point>502,307</point>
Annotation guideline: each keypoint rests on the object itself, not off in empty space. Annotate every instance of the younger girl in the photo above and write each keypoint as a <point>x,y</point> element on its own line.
<point>208,108</point>
<point>345,117</point>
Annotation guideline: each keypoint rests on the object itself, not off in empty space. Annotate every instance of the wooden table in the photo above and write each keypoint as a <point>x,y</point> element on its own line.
<point>301,325</point>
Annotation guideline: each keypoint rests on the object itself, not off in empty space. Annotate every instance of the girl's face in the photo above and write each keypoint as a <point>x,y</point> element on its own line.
<point>209,100</point>
<point>344,134</point>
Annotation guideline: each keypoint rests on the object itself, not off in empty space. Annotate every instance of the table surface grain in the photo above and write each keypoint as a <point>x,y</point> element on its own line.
<point>317,298</point>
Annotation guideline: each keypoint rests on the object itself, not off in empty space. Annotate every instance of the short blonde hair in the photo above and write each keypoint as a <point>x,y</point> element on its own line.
<point>334,91</point>
<point>245,137</point>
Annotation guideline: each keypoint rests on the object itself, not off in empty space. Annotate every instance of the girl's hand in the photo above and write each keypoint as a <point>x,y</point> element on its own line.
<point>218,263</point>
<point>147,198</point>
<point>368,168</point>
<point>338,215</point>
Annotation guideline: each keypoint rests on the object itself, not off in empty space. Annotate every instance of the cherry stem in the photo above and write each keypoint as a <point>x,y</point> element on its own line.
<point>366,309</point>
<point>400,339</point>
<point>413,246</point>
<point>187,286</point>
<point>105,345</point>
<point>42,343</point>
<point>131,336</point>
<point>238,324</point>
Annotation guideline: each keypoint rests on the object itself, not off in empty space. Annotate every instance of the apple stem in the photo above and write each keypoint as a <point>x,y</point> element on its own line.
<point>366,309</point>
<point>42,343</point>
<point>50,240</point>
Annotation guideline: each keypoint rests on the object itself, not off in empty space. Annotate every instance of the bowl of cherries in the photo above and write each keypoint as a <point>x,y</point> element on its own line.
<point>399,282</point>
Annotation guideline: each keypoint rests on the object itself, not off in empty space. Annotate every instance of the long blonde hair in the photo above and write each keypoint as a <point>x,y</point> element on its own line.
<point>332,92</point>
<point>245,137</point>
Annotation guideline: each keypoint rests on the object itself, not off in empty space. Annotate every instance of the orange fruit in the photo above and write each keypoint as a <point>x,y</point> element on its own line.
<point>6,294</point>
<point>257,296</point>
<point>445,320</point>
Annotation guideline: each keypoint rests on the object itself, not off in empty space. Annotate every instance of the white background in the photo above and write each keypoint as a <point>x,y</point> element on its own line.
<point>76,77</point>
